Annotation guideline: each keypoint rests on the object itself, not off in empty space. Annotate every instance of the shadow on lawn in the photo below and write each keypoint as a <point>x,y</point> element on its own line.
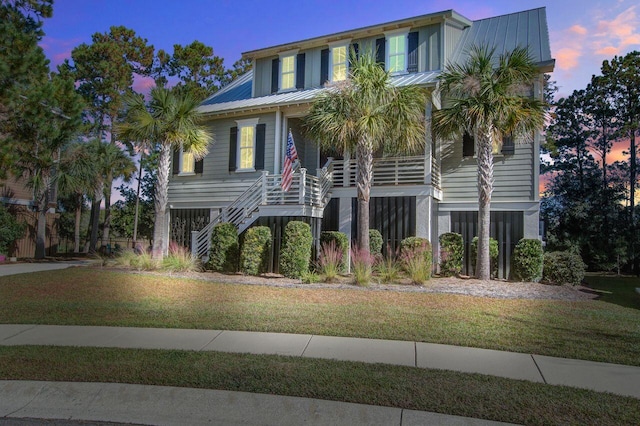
<point>615,289</point>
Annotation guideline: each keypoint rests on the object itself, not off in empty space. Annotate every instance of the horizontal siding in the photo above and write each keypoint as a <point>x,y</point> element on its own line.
<point>16,190</point>
<point>513,175</point>
<point>217,185</point>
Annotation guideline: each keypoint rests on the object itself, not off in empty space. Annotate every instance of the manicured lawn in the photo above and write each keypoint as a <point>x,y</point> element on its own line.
<point>405,387</point>
<point>593,330</point>
<point>618,290</point>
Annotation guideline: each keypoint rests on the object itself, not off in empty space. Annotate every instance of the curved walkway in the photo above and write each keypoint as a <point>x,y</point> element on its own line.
<point>74,400</point>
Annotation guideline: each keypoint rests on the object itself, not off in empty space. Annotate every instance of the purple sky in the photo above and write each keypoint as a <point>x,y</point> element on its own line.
<point>583,32</point>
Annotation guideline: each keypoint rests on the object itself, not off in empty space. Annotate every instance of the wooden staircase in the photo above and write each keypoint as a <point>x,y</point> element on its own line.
<point>307,196</point>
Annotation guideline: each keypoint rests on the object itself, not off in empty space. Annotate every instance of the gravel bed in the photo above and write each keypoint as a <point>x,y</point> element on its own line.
<point>499,289</point>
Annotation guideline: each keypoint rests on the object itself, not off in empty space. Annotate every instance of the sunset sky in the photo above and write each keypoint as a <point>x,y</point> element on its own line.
<point>583,33</point>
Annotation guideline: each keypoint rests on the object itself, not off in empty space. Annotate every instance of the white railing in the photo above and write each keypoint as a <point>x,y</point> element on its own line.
<point>386,171</point>
<point>305,190</point>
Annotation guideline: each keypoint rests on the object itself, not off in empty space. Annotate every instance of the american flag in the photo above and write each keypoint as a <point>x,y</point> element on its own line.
<point>290,157</point>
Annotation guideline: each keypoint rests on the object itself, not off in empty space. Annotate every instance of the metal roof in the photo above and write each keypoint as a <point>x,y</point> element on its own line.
<point>506,32</point>
<point>244,101</point>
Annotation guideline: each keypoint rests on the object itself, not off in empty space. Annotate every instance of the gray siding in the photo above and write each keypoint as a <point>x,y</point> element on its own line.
<point>217,186</point>
<point>307,148</point>
<point>452,36</point>
<point>429,48</point>
<point>513,174</point>
<point>262,78</point>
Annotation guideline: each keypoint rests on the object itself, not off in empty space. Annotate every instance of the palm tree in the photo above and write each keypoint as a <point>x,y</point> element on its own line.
<point>488,97</point>
<point>76,177</point>
<point>364,114</point>
<point>115,164</point>
<point>171,121</point>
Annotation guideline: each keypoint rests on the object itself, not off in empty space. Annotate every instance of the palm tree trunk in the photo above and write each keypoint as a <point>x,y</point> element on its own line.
<point>76,229</point>
<point>107,209</point>
<point>364,177</point>
<point>485,188</point>
<point>160,239</point>
<point>40,197</point>
<point>95,218</point>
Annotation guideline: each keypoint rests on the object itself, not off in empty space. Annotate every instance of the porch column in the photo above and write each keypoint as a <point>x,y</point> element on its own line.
<point>344,224</point>
<point>423,216</point>
<point>427,145</point>
<point>278,142</point>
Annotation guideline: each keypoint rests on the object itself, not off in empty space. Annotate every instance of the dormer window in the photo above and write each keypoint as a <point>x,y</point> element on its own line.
<point>397,52</point>
<point>339,63</point>
<point>287,72</point>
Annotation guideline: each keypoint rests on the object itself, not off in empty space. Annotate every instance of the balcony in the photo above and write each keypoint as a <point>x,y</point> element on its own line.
<point>390,171</point>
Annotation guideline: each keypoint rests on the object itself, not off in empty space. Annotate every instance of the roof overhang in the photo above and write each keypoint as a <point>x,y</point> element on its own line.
<point>360,33</point>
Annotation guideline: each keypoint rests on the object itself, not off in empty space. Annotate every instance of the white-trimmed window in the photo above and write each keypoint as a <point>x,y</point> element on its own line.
<point>288,72</point>
<point>246,154</point>
<point>397,52</point>
<point>187,162</point>
<point>339,62</point>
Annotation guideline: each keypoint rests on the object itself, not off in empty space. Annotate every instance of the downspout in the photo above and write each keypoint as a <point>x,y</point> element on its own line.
<point>276,156</point>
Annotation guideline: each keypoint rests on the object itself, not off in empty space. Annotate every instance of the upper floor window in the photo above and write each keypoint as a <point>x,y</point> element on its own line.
<point>397,53</point>
<point>339,63</point>
<point>287,72</point>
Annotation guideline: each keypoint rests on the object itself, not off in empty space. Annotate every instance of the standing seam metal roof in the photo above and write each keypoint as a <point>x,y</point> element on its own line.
<point>226,100</point>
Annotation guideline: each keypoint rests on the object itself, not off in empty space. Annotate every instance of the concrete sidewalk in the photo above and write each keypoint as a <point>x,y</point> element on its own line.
<point>602,377</point>
<point>27,267</point>
<point>162,405</point>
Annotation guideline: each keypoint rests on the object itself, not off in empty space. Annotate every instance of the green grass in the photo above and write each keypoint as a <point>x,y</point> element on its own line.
<point>614,289</point>
<point>592,330</point>
<point>446,392</point>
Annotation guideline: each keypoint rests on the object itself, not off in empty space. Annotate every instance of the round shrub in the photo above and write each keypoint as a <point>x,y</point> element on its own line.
<point>254,257</point>
<point>375,242</point>
<point>10,230</point>
<point>493,254</point>
<point>223,256</point>
<point>527,260</point>
<point>296,249</point>
<point>451,254</point>
<point>416,255</point>
<point>341,242</point>
<point>563,267</point>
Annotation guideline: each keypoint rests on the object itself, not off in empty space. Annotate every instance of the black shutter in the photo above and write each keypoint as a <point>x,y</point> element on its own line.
<point>380,51</point>
<point>176,161</point>
<point>233,147</point>
<point>508,146</point>
<point>412,58</point>
<point>355,49</point>
<point>260,137</point>
<point>275,74</point>
<point>468,145</point>
<point>199,166</point>
<point>300,59</point>
<point>324,66</point>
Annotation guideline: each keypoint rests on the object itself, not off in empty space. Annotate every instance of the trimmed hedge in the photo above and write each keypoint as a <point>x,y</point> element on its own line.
<point>419,245</point>
<point>375,242</point>
<point>256,248</point>
<point>563,267</point>
<point>342,243</point>
<point>223,256</point>
<point>493,254</point>
<point>527,260</point>
<point>295,254</point>
<point>451,254</point>
<point>10,230</point>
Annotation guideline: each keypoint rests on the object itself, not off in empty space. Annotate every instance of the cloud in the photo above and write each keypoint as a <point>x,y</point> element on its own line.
<point>143,84</point>
<point>615,36</point>
<point>57,50</point>
<point>578,29</point>
<point>567,58</point>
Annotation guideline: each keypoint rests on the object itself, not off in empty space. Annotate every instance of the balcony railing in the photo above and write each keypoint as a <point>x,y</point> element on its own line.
<point>389,171</point>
